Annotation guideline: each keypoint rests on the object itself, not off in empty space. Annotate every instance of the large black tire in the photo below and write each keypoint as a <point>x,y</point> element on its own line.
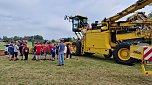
<point>109,55</point>
<point>118,57</point>
<point>78,48</point>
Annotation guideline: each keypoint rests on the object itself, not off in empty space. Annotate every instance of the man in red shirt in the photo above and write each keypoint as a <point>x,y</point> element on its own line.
<point>45,50</point>
<point>49,47</point>
<point>38,51</point>
<point>42,50</point>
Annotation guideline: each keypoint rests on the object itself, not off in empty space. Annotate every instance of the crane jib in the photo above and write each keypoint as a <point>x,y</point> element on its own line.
<point>138,5</point>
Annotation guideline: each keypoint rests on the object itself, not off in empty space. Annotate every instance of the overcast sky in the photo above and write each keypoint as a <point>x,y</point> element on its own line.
<point>46,17</point>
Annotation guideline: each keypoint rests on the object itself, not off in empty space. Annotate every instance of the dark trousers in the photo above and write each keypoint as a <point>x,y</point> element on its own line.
<point>20,48</point>
<point>53,54</point>
<point>68,53</point>
<point>26,56</point>
<point>12,54</point>
<point>15,54</point>
<point>34,58</point>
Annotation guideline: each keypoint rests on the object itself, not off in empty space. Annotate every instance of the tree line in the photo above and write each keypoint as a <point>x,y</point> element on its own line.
<point>34,38</point>
<point>29,38</point>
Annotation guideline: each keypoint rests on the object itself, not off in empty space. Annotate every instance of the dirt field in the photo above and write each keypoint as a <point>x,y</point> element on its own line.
<point>85,71</point>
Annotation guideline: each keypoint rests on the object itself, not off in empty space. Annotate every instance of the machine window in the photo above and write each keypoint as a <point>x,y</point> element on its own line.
<point>75,24</point>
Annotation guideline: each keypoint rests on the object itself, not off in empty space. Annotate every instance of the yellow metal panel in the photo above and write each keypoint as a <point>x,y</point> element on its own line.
<point>136,52</point>
<point>97,42</point>
<point>93,31</point>
<point>97,50</point>
<point>127,36</point>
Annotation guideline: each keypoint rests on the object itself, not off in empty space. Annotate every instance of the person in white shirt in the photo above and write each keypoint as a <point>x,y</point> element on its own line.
<point>16,48</point>
<point>65,51</point>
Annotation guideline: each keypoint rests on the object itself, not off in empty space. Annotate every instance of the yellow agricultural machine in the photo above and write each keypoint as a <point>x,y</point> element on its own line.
<point>124,40</point>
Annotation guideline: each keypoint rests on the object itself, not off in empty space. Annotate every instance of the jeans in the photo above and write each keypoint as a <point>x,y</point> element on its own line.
<point>44,54</point>
<point>61,58</point>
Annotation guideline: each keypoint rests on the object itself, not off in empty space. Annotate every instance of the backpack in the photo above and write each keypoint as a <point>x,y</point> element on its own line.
<point>26,49</point>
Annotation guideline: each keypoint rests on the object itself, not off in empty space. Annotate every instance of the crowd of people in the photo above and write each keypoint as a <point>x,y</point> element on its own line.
<point>12,49</point>
<point>41,51</point>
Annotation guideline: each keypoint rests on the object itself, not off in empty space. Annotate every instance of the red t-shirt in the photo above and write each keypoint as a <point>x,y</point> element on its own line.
<point>44,49</point>
<point>49,47</point>
<point>38,49</point>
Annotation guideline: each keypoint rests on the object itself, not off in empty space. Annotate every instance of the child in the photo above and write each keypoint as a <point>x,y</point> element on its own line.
<point>42,50</point>
<point>23,57</point>
<point>38,51</point>
<point>49,47</point>
<point>53,52</point>
<point>65,52</point>
<point>68,51</point>
<point>34,51</point>
<point>11,51</point>
<point>26,52</point>
<point>16,48</point>
<point>57,49</point>
<point>71,50</point>
<point>45,51</point>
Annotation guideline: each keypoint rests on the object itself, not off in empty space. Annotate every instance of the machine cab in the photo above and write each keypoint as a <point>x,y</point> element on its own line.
<point>78,23</point>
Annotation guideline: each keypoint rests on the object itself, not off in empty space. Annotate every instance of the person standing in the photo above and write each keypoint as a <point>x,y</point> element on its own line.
<point>49,50</point>
<point>61,53</point>
<point>11,51</point>
<point>65,51</point>
<point>41,53</point>
<point>68,51</point>
<point>26,52</point>
<point>16,48</point>
<point>53,52</point>
<point>38,51</point>
<point>71,50</point>
<point>23,55</point>
<point>57,49</point>
<point>21,49</point>
<point>45,51</point>
<point>6,49</point>
<point>34,53</point>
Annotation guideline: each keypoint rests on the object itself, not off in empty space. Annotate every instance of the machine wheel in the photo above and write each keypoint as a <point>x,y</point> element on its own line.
<point>109,55</point>
<point>122,54</point>
<point>76,48</point>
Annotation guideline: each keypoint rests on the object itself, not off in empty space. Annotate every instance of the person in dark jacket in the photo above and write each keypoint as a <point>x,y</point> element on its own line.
<point>68,51</point>
<point>11,51</point>
<point>20,49</point>
<point>25,51</point>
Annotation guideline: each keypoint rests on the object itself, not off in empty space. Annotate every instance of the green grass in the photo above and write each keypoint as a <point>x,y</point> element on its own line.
<point>85,71</point>
<point>2,45</point>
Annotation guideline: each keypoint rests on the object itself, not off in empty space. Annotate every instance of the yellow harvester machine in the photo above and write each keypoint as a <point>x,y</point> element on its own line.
<point>125,40</point>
